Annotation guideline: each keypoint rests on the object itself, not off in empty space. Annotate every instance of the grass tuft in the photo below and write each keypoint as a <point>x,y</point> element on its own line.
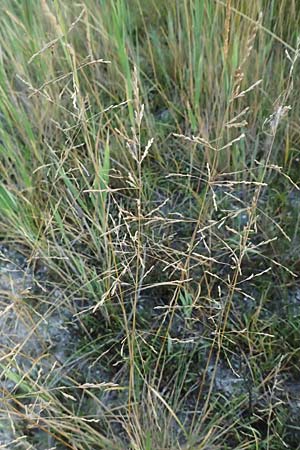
<point>149,225</point>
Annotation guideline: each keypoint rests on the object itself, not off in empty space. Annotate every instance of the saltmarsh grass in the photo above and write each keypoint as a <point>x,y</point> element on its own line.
<point>144,145</point>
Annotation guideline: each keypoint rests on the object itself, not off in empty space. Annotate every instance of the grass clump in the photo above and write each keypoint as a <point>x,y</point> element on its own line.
<point>149,224</point>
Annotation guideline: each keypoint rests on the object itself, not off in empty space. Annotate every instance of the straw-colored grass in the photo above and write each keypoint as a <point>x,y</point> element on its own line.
<point>149,177</point>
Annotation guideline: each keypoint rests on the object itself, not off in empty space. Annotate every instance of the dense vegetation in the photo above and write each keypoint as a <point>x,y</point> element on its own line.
<point>149,178</point>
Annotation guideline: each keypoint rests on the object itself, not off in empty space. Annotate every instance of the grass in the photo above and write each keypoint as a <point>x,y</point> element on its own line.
<point>149,177</point>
